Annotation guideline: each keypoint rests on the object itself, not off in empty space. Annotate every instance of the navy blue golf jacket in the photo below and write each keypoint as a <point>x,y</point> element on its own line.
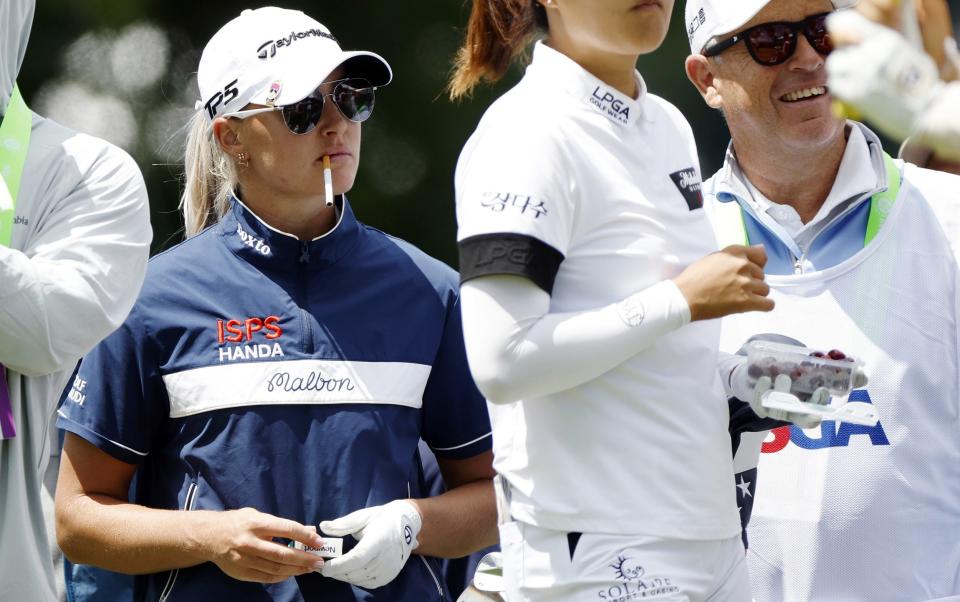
<point>293,377</point>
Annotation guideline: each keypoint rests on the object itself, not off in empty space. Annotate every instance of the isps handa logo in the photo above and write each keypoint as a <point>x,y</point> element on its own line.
<point>635,584</point>
<point>610,105</point>
<point>257,338</point>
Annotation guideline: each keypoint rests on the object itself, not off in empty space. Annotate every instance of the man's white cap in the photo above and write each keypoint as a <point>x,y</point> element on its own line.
<point>275,56</point>
<point>707,19</point>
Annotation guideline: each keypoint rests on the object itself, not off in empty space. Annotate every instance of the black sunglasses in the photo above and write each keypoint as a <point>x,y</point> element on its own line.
<point>354,98</point>
<point>774,43</point>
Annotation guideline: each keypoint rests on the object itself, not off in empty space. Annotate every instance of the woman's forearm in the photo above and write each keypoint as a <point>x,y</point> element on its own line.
<point>517,349</point>
<point>458,522</point>
<point>128,538</point>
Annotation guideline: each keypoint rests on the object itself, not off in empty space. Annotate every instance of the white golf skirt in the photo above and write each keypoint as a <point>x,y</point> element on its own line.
<point>541,565</point>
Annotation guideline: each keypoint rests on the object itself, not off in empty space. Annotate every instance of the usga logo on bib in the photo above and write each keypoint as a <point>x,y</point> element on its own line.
<point>832,434</point>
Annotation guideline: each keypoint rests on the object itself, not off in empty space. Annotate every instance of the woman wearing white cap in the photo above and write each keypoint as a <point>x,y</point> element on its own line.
<point>280,365</point>
<point>588,286</point>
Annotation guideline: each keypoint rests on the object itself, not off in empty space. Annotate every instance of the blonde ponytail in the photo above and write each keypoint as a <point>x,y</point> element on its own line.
<point>210,178</point>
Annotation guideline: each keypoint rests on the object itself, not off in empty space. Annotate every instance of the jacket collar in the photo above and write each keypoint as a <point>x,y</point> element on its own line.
<point>262,245</point>
<point>862,173</point>
<point>556,71</point>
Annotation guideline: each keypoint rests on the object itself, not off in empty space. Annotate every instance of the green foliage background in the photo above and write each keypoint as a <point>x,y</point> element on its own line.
<point>405,185</point>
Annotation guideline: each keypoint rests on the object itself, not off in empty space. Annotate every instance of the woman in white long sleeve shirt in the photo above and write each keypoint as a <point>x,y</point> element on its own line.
<point>590,277</point>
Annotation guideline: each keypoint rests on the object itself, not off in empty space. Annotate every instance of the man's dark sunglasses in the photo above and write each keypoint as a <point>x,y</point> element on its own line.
<point>354,97</point>
<point>774,43</point>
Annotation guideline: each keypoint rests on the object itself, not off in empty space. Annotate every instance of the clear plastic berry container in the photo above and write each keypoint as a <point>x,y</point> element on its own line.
<point>808,369</point>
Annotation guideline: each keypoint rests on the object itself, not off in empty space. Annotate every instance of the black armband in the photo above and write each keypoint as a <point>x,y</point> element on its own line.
<point>509,254</point>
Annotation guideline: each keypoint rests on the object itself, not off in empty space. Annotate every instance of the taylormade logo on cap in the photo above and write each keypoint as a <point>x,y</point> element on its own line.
<point>269,48</point>
<point>275,56</point>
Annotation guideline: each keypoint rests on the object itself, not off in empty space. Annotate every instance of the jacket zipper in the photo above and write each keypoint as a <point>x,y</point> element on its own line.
<point>798,261</point>
<point>433,576</point>
<point>304,287</point>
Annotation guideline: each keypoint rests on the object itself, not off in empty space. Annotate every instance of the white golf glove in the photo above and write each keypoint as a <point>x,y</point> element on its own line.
<point>939,126</point>
<point>386,534</point>
<point>929,114</point>
<point>890,81</point>
<point>764,386</point>
<point>754,395</point>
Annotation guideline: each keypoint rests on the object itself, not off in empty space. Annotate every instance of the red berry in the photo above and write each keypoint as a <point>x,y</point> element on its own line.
<point>818,354</point>
<point>836,354</point>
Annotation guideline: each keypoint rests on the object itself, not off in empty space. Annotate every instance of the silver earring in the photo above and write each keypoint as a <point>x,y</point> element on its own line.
<point>243,160</point>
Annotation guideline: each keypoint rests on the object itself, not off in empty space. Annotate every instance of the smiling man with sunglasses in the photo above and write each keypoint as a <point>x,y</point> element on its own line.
<point>861,253</point>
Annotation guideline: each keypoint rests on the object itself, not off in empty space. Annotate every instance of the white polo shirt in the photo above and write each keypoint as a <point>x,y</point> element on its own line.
<point>595,196</point>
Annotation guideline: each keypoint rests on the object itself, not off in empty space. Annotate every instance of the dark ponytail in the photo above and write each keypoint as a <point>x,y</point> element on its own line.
<point>498,33</point>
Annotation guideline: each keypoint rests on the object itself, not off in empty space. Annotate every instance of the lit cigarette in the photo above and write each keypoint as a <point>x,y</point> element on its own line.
<point>328,180</point>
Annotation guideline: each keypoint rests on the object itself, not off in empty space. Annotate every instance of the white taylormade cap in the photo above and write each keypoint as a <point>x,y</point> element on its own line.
<point>275,56</point>
<point>706,19</point>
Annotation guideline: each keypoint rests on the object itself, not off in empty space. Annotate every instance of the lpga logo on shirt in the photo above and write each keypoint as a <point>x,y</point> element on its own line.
<point>610,105</point>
